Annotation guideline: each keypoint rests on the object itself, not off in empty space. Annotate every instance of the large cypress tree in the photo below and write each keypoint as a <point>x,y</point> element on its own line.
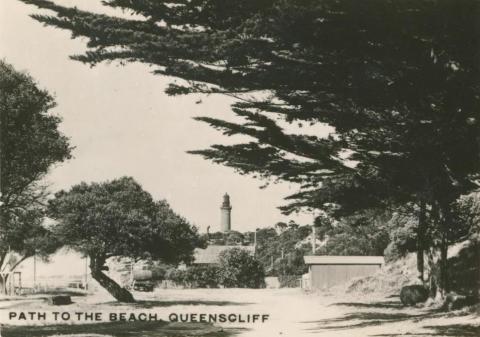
<point>398,81</point>
<point>118,218</point>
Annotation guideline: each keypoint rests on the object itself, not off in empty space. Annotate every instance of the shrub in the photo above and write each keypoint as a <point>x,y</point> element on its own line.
<point>195,277</point>
<point>402,236</point>
<point>465,270</point>
<point>238,269</point>
<point>176,276</point>
<point>203,276</point>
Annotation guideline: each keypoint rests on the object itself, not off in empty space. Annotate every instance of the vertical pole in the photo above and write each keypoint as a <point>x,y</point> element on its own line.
<point>255,242</point>
<point>4,283</point>
<point>314,239</point>
<point>131,273</point>
<point>314,234</point>
<point>420,240</point>
<point>34,271</point>
<point>11,282</point>
<point>86,272</point>
<point>9,268</point>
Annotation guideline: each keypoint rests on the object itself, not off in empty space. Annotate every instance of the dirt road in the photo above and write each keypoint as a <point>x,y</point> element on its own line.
<point>245,312</point>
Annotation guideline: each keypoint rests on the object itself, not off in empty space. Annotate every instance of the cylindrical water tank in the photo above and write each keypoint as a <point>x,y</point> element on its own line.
<point>143,275</point>
<point>140,275</point>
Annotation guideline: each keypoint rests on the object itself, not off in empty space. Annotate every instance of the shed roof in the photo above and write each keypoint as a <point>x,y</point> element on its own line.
<point>211,253</point>
<point>344,259</point>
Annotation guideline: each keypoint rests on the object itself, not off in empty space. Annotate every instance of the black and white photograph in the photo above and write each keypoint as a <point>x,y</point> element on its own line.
<point>250,168</point>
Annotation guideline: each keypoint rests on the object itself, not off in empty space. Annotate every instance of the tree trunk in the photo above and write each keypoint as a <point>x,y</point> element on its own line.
<point>3,284</point>
<point>444,266</point>
<point>121,294</point>
<point>433,277</point>
<point>476,293</point>
<point>444,279</point>
<point>5,287</point>
<point>3,277</point>
<point>422,219</point>
<point>434,264</point>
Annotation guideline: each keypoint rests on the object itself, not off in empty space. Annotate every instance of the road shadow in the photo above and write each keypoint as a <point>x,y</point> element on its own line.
<point>79,293</point>
<point>121,329</point>
<point>44,295</point>
<point>371,314</point>
<point>147,304</point>
<point>379,305</point>
<point>454,330</point>
<point>140,304</point>
<point>360,320</point>
<point>393,296</point>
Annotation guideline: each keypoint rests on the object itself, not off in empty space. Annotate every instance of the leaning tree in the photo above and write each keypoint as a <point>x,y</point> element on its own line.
<point>118,218</point>
<point>398,82</point>
<point>30,144</point>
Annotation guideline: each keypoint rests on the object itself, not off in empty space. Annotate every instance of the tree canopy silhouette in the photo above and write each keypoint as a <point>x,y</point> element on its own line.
<point>396,81</point>
<point>30,144</point>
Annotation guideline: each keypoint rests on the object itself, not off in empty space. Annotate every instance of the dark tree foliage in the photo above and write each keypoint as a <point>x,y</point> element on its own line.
<point>216,238</point>
<point>197,276</point>
<point>119,218</point>
<point>238,269</point>
<point>282,254</point>
<point>234,238</point>
<point>398,81</point>
<point>291,265</point>
<point>364,234</point>
<point>30,144</point>
<point>402,232</point>
<point>30,140</point>
<point>230,238</point>
<point>466,216</point>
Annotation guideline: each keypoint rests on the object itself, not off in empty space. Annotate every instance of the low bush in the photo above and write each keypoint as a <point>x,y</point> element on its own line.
<point>196,277</point>
<point>237,269</point>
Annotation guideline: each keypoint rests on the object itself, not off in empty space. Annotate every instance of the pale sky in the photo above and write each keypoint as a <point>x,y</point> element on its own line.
<point>122,123</point>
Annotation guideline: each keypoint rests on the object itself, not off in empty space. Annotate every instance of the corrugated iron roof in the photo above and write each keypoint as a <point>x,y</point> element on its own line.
<point>343,259</point>
<point>211,253</point>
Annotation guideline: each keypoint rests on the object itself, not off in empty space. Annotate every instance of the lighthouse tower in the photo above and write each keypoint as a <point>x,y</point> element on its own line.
<point>226,209</point>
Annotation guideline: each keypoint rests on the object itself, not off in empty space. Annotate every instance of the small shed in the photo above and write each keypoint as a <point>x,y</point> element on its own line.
<point>327,271</point>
